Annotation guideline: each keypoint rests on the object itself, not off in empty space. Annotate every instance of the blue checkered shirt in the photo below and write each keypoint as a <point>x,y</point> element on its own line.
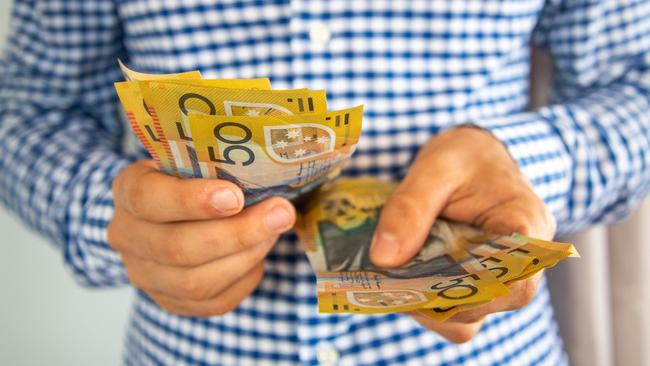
<point>418,66</point>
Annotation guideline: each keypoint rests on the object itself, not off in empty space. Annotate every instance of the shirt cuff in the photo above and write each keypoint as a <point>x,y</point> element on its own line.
<point>539,150</point>
<point>87,252</point>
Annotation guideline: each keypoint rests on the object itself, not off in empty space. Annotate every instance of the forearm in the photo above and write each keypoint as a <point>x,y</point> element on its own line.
<point>57,173</point>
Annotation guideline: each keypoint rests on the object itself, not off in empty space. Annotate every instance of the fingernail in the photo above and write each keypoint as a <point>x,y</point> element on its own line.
<point>385,246</point>
<point>278,218</point>
<point>224,200</point>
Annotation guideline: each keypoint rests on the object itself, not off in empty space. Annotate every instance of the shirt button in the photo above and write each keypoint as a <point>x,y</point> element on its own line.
<point>326,354</point>
<point>320,33</point>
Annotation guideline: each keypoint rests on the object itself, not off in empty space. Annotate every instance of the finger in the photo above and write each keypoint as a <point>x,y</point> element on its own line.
<point>454,332</point>
<point>526,215</point>
<point>146,193</point>
<point>521,294</point>
<point>409,213</point>
<point>199,283</point>
<point>191,244</point>
<point>223,303</point>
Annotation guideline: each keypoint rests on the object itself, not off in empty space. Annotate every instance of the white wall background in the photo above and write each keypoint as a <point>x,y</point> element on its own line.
<point>45,317</point>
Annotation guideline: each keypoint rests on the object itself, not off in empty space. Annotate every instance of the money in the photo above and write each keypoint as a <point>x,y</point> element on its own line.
<point>138,113</point>
<point>285,155</point>
<point>269,142</point>
<point>170,104</point>
<point>286,143</point>
<point>458,267</point>
<point>144,119</point>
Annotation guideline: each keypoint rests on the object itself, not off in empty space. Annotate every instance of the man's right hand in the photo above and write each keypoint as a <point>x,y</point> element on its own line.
<point>188,243</point>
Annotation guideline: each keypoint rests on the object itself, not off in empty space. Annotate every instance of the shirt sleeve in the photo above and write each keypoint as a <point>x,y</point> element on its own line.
<point>588,152</point>
<point>60,135</point>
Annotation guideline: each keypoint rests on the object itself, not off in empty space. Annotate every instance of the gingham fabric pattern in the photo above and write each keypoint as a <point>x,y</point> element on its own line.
<point>418,66</point>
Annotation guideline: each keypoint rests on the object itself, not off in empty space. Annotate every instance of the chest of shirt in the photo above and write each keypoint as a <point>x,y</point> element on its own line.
<point>291,40</point>
<point>415,65</point>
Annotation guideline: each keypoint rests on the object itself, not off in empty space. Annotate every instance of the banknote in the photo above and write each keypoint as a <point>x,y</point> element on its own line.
<point>336,229</point>
<point>285,155</point>
<point>171,102</point>
<point>511,258</point>
<point>458,267</point>
<point>505,267</point>
<point>452,280</point>
<point>249,84</point>
<point>131,75</point>
<point>138,114</point>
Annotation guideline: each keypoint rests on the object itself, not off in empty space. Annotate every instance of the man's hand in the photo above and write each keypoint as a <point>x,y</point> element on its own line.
<point>187,243</point>
<point>466,175</point>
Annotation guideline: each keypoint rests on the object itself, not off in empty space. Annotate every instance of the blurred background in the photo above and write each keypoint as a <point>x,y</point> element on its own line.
<point>46,318</point>
<point>602,300</point>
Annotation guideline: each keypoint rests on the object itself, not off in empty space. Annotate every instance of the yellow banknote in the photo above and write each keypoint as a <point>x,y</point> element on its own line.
<point>506,268</point>
<point>450,283</point>
<point>251,84</point>
<point>170,104</point>
<point>275,155</point>
<point>138,114</point>
<point>131,75</point>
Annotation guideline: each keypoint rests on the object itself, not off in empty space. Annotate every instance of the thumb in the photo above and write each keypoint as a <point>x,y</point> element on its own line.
<point>407,217</point>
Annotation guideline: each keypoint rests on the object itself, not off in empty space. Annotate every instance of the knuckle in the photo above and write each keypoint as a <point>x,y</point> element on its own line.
<point>177,254</point>
<point>115,187</point>
<point>523,222</point>
<point>223,307</point>
<point>551,223</point>
<point>240,241</point>
<point>121,182</point>
<point>469,317</point>
<point>522,225</point>
<point>259,252</point>
<point>136,279</point>
<point>167,305</point>
<point>134,200</point>
<point>114,238</point>
<point>175,250</point>
<point>526,294</point>
<point>462,334</point>
<point>529,292</point>
<point>200,196</point>
<point>404,205</point>
<point>194,288</point>
<point>257,273</point>
<point>218,243</point>
<point>251,231</point>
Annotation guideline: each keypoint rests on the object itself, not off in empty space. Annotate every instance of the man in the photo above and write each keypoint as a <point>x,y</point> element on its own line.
<point>215,285</point>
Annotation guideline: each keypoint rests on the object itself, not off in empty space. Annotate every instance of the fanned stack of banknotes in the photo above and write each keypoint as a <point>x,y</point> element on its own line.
<point>459,267</point>
<point>268,142</point>
<point>286,143</point>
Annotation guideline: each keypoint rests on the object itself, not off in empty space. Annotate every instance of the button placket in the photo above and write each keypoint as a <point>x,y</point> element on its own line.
<point>326,354</point>
<point>319,33</point>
